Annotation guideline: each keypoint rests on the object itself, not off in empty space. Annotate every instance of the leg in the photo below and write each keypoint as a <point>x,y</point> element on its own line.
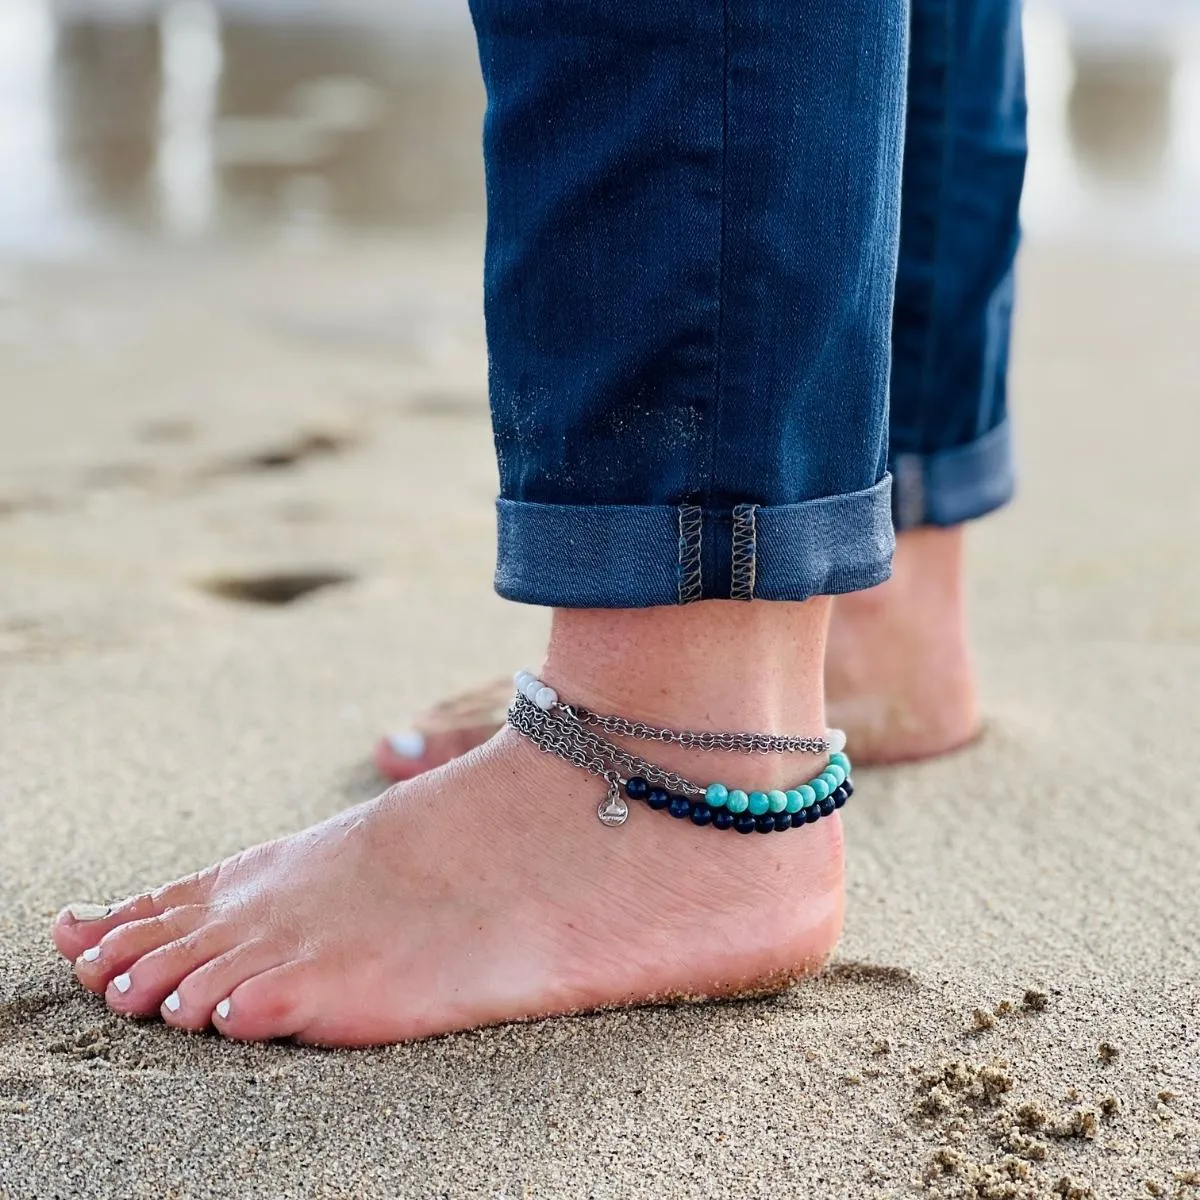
<point>689,405</point>
<point>899,673</point>
<point>708,252</point>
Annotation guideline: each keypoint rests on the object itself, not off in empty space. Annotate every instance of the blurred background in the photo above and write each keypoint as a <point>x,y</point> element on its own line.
<point>196,121</point>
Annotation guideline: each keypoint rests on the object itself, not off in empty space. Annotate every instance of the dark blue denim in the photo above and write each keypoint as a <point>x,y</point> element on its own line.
<point>964,165</point>
<point>694,218</point>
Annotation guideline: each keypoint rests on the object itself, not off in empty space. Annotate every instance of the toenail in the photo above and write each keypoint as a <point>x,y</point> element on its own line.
<point>409,744</point>
<point>89,912</point>
<point>223,1009</point>
<point>122,983</point>
<point>91,954</point>
<point>172,1002</point>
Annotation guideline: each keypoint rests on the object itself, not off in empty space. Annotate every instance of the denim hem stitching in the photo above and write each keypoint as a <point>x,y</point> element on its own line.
<point>745,545</point>
<point>629,556</point>
<point>691,521</point>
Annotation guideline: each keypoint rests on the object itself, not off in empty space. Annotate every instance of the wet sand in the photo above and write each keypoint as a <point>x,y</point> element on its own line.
<point>245,523</point>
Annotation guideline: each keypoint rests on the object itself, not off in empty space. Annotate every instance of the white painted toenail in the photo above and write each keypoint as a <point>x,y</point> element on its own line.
<point>89,912</point>
<point>172,1002</point>
<point>223,1009</point>
<point>91,954</point>
<point>122,983</point>
<point>409,744</point>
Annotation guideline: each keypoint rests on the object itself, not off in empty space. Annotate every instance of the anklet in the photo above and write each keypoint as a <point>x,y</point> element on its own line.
<point>567,732</point>
<point>535,691</point>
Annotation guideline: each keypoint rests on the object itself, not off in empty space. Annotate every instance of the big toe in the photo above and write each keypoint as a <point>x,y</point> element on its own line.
<point>84,924</point>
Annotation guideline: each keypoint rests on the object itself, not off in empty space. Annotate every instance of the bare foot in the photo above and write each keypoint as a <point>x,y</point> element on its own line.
<point>487,891</point>
<point>898,674</point>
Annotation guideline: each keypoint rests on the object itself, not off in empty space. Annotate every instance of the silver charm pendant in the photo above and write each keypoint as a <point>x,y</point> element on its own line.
<point>613,810</point>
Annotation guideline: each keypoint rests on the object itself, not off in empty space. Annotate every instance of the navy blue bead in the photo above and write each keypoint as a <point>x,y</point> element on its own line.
<point>782,821</point>
<point>798,818</point>
<point>812,813</point>
<point>658,798</point>
<point>744,823</point>
<point>848,788</point>
<point>839,797</point>
<point>680,806</point>
<point>722,818</point>
<point>702,812</point>
<point>765,823</point>
<point>827,806</point>
<point>637,788</point>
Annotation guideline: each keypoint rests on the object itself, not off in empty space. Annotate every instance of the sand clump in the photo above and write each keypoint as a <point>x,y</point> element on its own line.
<point>999,1142</point>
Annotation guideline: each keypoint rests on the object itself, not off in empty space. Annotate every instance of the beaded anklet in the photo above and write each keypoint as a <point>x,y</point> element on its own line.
<point>567,731</point>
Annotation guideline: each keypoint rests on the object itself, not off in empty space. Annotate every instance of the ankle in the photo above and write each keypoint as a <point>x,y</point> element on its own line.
<point>724,666</point>
<point>899,676</point>
<point>928,574</point>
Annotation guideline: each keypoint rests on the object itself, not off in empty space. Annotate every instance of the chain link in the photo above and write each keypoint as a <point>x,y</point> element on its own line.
<point>561,733</point>
<point>752,743</point>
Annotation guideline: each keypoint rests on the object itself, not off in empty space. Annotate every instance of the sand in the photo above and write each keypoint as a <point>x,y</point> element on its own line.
<point>1013,1011</point>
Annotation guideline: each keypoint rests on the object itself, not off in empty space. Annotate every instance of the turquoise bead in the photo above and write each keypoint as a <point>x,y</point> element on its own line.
<point>838,774</point>
<point>820,785</point>
<point>840,760</point>
<point>759,803</point>
<point>717,794</point>
<point>807,796</point>
<point>795,801</point>
<point>737,801</point>
<point>776,801</point>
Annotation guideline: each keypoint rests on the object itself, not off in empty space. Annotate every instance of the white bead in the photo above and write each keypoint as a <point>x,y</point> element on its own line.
<point>546,698</point>
<point>836,739</point>
<point>532,688</point>
<point>520,679</point>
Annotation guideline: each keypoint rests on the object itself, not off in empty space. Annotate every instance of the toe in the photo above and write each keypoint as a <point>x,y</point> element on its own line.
<point>143,986</point>
<point>114,954</point>
<point>191,1004</point>
<point>444,732</point>
<point>274,1004</point>
<point>401,756</point>
<point>81,926</point>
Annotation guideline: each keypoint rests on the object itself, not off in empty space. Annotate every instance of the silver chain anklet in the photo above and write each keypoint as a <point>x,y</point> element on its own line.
<point>567,731</point>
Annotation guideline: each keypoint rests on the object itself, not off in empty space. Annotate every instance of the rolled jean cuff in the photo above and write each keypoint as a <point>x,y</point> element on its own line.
<point>639,556</point>
<point>951,486</point>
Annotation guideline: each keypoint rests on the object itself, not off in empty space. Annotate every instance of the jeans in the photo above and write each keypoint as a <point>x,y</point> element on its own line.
<point>702,284</point>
